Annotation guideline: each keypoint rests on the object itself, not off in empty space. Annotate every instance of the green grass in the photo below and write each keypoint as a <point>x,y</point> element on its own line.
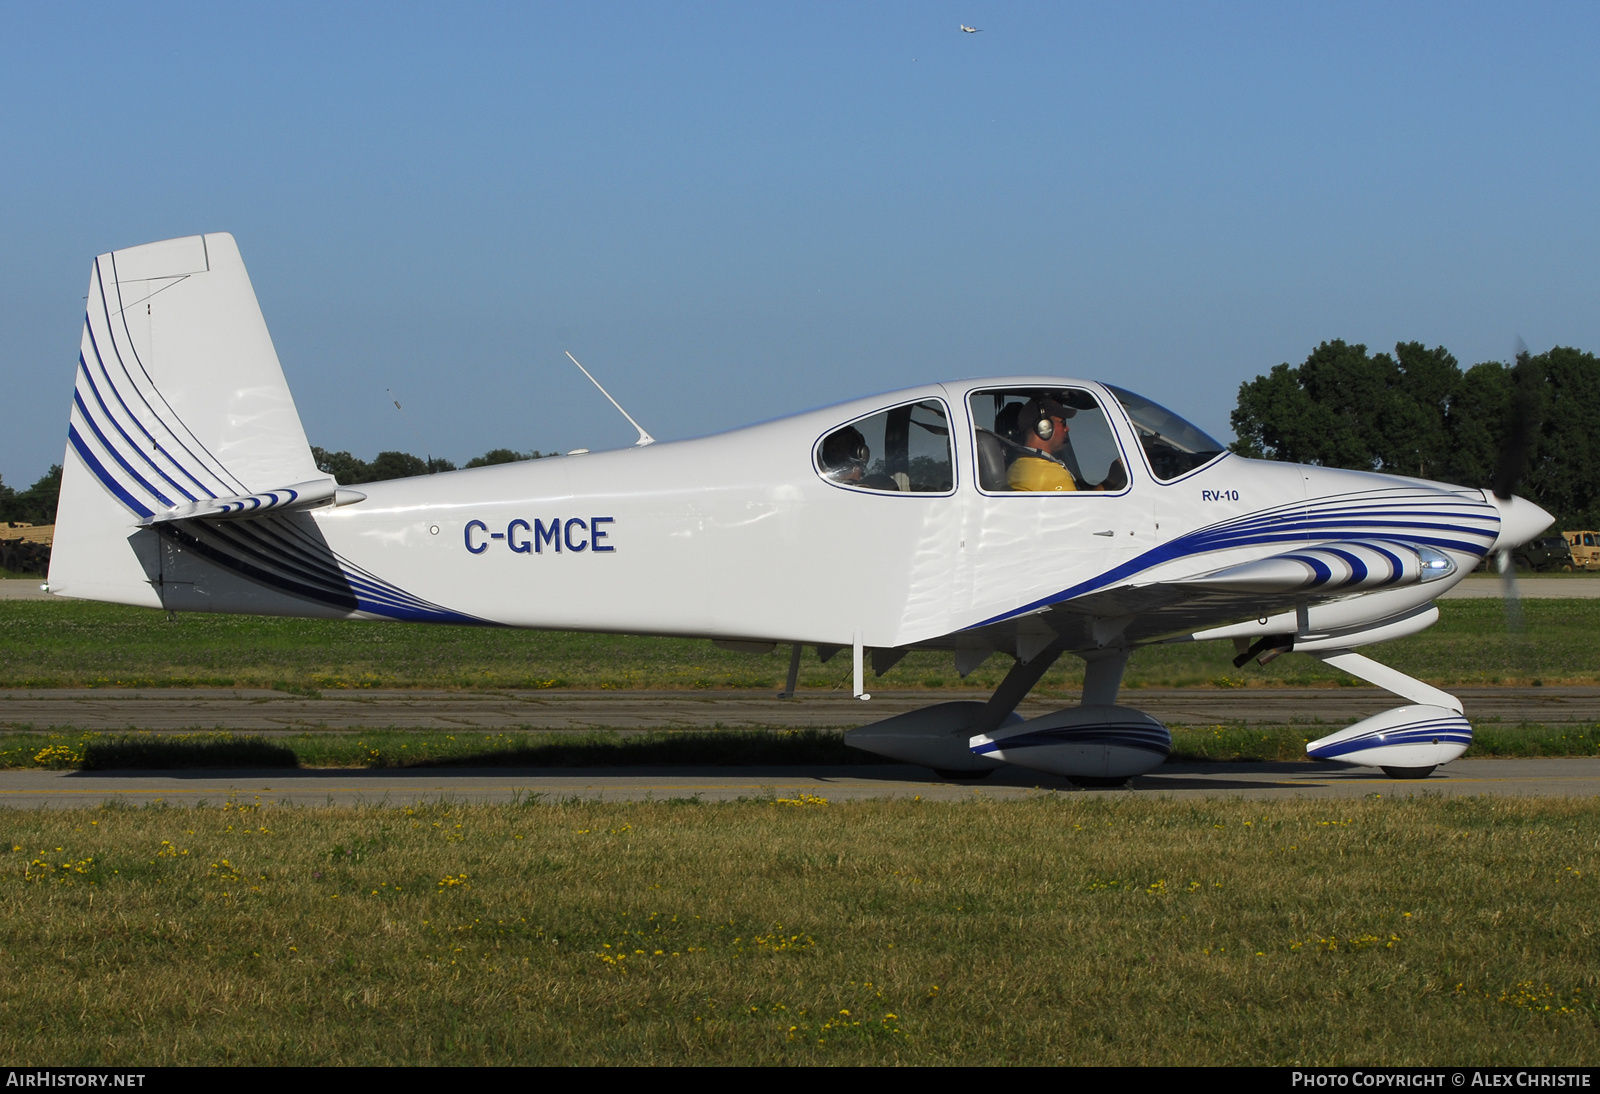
<point>1061,930</point>
<point>46,644</point>
<point>404,748</point>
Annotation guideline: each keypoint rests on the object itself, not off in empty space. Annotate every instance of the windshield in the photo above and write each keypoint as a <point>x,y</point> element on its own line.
<point>1173,446</point>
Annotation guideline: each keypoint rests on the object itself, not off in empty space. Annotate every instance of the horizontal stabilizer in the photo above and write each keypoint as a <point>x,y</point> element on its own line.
<point>1346,566</point>
<point>285,499</point>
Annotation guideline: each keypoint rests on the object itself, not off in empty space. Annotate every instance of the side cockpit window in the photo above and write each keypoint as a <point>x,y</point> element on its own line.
<point>904,450</point>
<point>1172,445</point>
<point>1044,440</point>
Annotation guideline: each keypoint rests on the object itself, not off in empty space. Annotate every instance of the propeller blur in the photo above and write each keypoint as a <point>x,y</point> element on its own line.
<point>1030,516</point>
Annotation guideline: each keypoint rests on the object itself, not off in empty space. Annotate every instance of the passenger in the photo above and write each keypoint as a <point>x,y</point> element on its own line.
<point>1042,426</point>
<point>844,456</point>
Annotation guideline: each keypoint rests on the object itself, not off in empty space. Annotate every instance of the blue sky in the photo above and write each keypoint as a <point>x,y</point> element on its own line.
<point>732,212</point>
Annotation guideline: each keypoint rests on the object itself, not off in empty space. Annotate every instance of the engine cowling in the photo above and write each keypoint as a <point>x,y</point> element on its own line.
<point>933,737</point>
<point>1411,739</point>
<point>1092,742</point>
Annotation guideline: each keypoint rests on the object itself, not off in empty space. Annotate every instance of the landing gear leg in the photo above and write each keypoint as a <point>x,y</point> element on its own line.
<point>1014,688</point>
<point>1425,731</point>
<point>1102,675</point>
<point>1390,680</point>
<point>793,681</point>
<point>1102,679</point>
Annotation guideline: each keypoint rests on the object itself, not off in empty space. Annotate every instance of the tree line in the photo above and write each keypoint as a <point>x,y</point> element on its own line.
<point>1417,412</point>
<point>36,504</point>
<point>350,470</point>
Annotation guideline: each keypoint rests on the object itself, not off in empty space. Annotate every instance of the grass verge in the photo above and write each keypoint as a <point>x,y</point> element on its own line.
<point>91,751</point>
<point>1061,930</point>
<point>50,644</point>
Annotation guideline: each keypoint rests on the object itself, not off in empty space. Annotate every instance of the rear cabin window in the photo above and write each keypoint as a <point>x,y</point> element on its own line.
<point>1044,440</point>
<point>905,450</point>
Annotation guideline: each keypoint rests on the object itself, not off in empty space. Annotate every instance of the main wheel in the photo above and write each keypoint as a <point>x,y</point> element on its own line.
<point>1409,772</point>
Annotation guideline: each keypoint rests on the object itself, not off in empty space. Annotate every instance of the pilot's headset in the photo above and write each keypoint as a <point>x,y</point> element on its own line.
<point>1037,413</point>
<point>843,451</point>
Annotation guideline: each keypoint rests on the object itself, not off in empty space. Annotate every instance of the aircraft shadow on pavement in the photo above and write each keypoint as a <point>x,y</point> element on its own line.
<point>1219,777</point>
<point>1291,775</point>
<point>873,772</point>
<point>711,749</point>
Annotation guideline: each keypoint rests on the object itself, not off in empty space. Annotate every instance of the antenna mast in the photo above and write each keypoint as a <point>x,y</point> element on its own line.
<point>644,438</point>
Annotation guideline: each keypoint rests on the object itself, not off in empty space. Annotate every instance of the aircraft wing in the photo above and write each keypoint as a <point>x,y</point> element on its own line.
<point>1265,588</point>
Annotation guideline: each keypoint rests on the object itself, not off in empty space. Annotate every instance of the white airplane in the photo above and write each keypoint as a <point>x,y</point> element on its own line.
<point>903,521</point>
<point>970,30</point>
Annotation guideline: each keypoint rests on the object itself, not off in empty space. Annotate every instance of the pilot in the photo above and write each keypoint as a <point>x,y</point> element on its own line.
<point>1042,426</point>
<point>844,456</point>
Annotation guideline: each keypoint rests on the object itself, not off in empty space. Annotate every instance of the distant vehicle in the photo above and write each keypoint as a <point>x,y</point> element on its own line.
<point>25,547</point>
<point>1585,549</point>
<point>1546,553</point>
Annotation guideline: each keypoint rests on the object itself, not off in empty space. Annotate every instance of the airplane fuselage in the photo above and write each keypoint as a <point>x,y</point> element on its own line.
<point>738,536</point>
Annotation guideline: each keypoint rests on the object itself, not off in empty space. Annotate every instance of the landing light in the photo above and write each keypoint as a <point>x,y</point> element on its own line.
<point>1435,563</point>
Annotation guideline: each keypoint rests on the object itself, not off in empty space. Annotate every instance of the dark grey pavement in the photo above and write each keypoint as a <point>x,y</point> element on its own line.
<point>275,711</point>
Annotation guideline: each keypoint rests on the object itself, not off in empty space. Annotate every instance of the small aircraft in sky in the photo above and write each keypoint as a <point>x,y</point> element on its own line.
<point>1028,516</point>
<point>970,30</point>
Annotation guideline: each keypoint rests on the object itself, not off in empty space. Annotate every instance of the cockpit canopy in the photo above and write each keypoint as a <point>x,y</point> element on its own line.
<point>1026,439</point>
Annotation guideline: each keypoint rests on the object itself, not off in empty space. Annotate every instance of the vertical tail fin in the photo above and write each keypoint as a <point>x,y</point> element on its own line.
<point>179,399</point>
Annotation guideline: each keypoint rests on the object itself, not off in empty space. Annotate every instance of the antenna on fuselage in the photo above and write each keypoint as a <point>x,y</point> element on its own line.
<point>644,438</point>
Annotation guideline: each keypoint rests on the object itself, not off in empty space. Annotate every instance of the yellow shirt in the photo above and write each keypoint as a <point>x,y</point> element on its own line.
<point>1035,473</point>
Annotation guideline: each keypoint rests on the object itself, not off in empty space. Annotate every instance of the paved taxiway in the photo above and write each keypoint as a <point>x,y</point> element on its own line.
<point>269,712</point>
<point>1265,781</point>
